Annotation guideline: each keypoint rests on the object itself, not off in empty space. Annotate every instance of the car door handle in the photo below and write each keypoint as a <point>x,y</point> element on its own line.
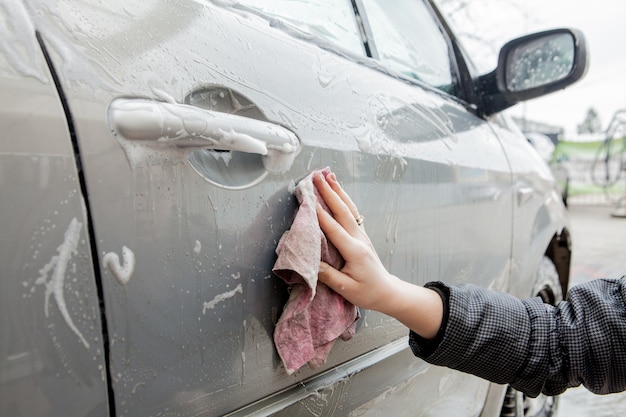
<point>524,194</point>
<point>188,126</point>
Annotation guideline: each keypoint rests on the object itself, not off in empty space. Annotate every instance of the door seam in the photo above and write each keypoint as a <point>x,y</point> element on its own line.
<point>90,228</point>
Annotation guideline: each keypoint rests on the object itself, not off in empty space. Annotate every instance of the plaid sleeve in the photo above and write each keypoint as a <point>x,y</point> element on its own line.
<point>533,346</point>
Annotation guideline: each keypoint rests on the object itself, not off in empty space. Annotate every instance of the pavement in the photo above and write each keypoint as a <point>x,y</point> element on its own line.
<point>599,243</point>
<point>599,251</point>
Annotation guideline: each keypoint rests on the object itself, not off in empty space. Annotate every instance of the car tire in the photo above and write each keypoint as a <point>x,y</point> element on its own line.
<point>516,403</point>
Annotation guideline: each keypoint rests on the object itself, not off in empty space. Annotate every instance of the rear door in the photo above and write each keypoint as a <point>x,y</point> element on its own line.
<point>186,237</point>
<point>52,357</point>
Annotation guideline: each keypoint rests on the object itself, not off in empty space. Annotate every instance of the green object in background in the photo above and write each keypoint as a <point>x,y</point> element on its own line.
<point>566,150</point>
<point>589,169</point>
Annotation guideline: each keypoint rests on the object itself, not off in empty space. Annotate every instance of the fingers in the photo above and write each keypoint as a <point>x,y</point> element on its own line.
<point>334,184</point>
<point>336,280</point>
<point>337,200</point>
<point>334,232</point>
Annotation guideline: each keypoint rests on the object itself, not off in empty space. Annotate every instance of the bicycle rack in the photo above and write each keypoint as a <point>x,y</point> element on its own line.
<point>611,160</point>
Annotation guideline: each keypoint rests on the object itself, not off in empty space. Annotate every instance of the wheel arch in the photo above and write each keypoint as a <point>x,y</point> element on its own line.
<point>559,251</point>
<point>502,400</point>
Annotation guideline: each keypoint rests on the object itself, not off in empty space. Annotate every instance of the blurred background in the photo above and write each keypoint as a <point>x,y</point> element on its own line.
<point>586,122</point>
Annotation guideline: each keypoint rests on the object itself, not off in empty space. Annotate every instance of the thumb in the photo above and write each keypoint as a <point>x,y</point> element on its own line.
<point>335,279</point>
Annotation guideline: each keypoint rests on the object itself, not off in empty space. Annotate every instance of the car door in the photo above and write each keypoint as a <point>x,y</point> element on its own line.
<point>52,358</point>
<point>186,236</point>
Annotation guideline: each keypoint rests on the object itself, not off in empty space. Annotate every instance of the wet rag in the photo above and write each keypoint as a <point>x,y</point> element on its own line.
<point>314,316</point>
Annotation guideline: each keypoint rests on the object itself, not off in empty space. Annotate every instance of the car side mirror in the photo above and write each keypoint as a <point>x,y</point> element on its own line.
<point>533,66</point>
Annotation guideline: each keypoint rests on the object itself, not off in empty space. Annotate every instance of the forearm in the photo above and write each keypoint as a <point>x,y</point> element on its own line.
<point>417,307</point>
<point>491,335</point>
<point>533,346</point>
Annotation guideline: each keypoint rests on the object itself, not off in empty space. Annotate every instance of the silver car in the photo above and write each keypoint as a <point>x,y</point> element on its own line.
<point>148,157</point>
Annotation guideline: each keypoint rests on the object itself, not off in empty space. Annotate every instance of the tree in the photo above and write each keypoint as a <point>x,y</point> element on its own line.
<point>591,124</point>
<point>481,33</point>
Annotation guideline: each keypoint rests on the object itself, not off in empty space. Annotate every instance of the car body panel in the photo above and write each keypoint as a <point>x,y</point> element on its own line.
<point>538,210</point>
<point>52,340</point>
<point>186,238</point>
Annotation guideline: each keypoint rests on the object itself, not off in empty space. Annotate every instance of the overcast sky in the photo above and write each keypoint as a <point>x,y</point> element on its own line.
<point>604,24</point>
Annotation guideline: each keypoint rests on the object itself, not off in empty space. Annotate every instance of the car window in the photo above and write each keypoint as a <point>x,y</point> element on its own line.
<point>332,20</point>
<point>410,42</point>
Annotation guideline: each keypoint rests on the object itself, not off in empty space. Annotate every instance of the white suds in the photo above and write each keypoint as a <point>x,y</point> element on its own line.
<point>221,297</point>
<point>121,272</point>
<point>58,266</point>
<point>198,247</point>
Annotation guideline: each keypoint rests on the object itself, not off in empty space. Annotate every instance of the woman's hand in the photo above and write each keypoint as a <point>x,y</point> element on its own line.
<point>364,281</point>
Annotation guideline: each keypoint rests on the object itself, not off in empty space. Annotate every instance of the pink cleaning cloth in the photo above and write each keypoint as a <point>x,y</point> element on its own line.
<point>314,316</point>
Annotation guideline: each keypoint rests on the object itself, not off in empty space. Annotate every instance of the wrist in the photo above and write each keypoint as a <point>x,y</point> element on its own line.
<point>417,307</point>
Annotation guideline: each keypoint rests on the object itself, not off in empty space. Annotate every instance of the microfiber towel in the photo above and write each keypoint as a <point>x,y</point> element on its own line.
<point>314,316</point>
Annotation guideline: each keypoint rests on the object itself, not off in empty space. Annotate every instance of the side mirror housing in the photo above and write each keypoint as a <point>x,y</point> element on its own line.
<point>533,66</point>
